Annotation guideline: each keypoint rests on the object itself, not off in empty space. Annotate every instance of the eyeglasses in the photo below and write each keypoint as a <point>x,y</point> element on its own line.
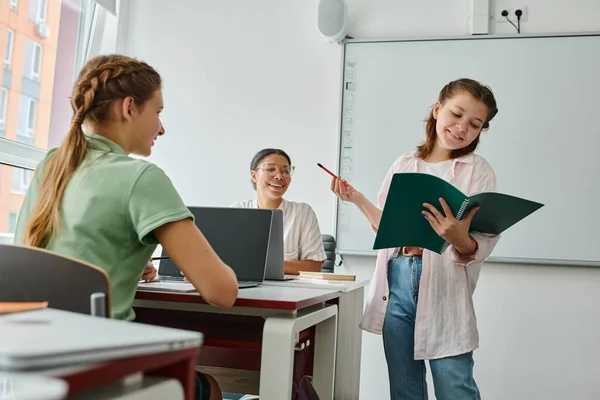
<point>272,170</point>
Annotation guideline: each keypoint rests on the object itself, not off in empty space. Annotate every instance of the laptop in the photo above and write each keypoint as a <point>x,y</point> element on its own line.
<point>50,338</point>
<point>239,236</point>
<point>275,260</point>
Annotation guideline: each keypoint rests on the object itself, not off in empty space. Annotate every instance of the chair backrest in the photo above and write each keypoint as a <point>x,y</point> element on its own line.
<point>329,245</point>
<point>30,274</point>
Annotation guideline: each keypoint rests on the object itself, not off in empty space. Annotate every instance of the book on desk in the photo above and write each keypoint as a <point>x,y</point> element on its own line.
<point>165,286</point>
<point>326,276</point>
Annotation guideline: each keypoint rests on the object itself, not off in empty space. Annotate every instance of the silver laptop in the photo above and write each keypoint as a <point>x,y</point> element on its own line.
<point>50,338</point>
<point>239,236</point>
<point>275,261</point>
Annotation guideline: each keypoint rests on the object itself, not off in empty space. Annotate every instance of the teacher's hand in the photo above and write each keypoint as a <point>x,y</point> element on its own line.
<point>344,191</point>
<point>455,232</point>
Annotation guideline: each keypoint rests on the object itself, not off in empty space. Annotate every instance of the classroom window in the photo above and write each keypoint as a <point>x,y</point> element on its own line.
<point>25,116</point>
<point>10,39</point>
<point>3,106</point>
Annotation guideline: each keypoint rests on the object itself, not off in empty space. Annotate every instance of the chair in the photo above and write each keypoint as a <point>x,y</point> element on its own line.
<point>30,274</point>
<point>329,246</point>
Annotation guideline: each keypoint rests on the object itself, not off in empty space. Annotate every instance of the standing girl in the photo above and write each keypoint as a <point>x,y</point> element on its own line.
<point>419,300</point>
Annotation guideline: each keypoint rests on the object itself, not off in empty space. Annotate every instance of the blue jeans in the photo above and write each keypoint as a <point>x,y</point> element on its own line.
<point>452,376</point>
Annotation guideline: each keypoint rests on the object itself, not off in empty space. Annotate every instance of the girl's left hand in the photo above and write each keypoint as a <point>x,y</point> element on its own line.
<point>455,232</point>
<point>149,273</point>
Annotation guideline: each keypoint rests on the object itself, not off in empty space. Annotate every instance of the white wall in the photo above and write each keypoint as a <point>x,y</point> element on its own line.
<point>241,75</point>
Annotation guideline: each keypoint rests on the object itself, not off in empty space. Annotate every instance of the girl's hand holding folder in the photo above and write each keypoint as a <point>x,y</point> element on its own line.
<point>452,230</point>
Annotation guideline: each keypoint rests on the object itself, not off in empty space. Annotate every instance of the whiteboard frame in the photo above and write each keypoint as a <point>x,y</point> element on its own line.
<point>505,260</point>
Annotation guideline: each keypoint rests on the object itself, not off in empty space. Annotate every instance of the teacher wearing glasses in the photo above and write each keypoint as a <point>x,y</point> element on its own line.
<point>271,173</point>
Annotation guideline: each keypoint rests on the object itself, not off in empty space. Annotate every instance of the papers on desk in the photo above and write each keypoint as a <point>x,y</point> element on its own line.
<point>162,286</point>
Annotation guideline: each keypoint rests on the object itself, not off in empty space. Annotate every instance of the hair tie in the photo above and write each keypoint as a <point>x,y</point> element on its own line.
<point>78,119</point>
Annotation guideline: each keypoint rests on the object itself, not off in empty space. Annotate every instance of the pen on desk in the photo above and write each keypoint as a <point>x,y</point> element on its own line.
<point>331,173</point>
<point>160,258</point>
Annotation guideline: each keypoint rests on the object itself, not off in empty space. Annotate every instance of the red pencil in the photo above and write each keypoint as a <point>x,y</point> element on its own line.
<point>330,173</point>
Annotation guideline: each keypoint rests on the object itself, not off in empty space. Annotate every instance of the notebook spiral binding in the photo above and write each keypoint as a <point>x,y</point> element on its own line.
<point>459,215</point>
<point>462,209</point>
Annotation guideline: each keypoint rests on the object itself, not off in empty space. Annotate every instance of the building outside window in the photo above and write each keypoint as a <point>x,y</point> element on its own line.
<point>34,92</point>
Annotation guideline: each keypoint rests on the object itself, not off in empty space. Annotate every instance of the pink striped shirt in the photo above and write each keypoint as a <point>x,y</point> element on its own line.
<point>445,323</point>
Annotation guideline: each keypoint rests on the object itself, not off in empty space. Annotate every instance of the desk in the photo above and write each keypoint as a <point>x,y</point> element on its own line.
<point>349,341</point>
<point>179,365</point>
<point>87,352</point>
<point>272,299</point>
<point>286,312</point>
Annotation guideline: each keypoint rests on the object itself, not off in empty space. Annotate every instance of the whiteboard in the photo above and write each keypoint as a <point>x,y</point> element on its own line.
<point>542,145</point>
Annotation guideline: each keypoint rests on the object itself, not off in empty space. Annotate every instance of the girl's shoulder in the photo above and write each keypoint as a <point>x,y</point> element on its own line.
<point>404,160</point>
<point>481,165</point>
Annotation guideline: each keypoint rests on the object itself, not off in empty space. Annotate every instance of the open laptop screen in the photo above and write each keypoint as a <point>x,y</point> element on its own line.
<point>239,236</point>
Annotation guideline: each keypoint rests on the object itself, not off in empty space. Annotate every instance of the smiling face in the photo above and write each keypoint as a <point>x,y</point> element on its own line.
<point>146,126</point>
<point>459,121</point>
<point>272,177</point>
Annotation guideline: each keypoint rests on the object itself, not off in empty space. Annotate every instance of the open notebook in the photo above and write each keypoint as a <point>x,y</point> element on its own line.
<point>402,223</point>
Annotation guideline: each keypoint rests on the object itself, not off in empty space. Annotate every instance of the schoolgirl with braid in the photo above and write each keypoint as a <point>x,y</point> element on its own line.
<point>89,200</point>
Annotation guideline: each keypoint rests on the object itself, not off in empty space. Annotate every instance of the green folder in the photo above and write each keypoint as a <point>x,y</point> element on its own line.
<point>403,224</point>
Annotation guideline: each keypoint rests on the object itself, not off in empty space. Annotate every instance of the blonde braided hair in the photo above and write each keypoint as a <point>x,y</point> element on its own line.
<point>101,82</point>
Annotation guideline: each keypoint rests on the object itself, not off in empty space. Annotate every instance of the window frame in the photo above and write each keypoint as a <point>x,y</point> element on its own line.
<point>33,74</point>
<point>30,130</point>
<point>10,45</point>
<point>3,107</point>
<point>27,130</point>
<point>10,214</point>
<point>23,181</point>
<point>42,11</point>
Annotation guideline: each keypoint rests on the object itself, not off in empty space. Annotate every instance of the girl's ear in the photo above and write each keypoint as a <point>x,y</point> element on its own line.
<point>127,108</point>
<point>436,109</point>
<point>253,176</point>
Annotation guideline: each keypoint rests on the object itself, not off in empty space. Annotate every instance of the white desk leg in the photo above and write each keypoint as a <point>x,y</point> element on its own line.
<point>324,358</point>
<point>277,354</point>
<point>349,345</point>
<point>277,358</point>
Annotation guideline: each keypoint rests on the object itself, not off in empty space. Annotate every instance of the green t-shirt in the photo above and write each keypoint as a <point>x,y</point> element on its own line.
<point>110,207</point>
